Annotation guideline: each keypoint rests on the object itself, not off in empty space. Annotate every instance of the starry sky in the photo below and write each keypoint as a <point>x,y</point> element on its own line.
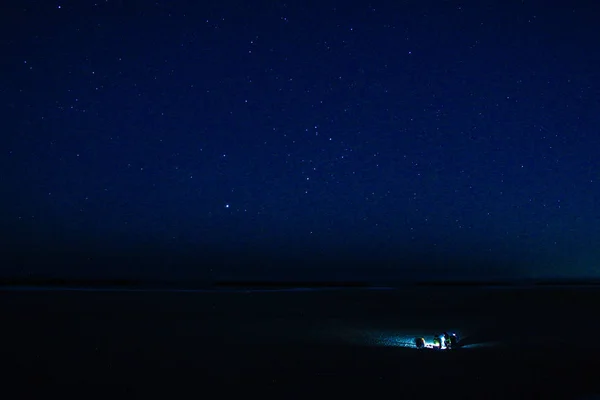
<point>301,138</point>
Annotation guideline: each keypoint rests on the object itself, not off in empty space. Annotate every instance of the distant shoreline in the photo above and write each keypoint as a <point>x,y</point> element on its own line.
<point>124,285</point>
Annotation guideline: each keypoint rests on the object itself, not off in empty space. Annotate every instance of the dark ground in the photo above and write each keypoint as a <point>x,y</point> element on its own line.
<point>293,344</point>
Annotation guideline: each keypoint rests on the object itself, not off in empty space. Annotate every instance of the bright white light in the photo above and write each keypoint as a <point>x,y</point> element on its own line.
<point>387,338</point>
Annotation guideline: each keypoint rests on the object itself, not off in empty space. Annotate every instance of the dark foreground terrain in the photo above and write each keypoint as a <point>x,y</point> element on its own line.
<point>296,343</point>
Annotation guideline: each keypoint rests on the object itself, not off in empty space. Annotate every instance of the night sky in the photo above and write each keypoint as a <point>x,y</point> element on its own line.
<point>329,139</point>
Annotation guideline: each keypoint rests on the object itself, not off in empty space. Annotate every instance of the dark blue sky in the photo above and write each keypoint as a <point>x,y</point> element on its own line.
<point>269,138</point>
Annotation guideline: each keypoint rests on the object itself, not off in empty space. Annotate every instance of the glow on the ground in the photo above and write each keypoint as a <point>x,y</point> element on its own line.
<point>390,338</point>
<point>387,338</point>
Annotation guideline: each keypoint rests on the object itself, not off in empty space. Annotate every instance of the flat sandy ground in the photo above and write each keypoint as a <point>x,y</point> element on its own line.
<point>532,342</point>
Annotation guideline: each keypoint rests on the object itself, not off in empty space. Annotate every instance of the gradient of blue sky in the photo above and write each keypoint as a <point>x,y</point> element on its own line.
<point>301,133</point>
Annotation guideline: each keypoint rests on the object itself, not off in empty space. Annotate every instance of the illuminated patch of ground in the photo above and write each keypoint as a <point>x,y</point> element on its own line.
<point>387,338</point>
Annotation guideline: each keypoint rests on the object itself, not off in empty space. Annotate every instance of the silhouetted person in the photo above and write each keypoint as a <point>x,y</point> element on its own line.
<point>447,342</point>
<point>420,343</point>
<point>453,341</point>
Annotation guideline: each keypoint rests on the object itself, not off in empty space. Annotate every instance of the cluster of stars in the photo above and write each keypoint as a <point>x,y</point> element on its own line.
<point>371,121</point>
